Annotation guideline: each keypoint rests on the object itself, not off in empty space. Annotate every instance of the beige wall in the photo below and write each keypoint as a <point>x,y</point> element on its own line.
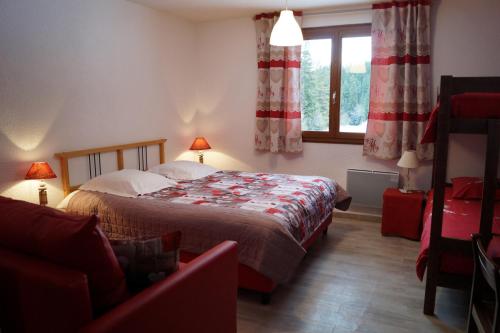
<point>86,73</point>
<point>466,42</point>
<point>76,74</point>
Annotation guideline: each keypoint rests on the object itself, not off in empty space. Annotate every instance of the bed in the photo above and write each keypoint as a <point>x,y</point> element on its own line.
<point>273,217</point>
<point>460,219</point>
<point>468,105</point>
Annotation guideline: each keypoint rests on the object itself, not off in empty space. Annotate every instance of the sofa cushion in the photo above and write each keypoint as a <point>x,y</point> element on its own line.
<point>147,260</point>
<point>72,241</point>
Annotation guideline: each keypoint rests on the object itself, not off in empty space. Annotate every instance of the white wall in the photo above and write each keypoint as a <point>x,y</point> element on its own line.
<point>86,73</point>
<point>466,42</point>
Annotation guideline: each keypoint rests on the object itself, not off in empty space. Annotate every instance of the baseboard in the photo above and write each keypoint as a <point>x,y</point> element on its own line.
<point>358,215</point>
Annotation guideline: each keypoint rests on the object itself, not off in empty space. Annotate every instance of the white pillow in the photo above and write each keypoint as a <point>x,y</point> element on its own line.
<point>183,170</point>
<point>64,203</point>
<point>127,183</point>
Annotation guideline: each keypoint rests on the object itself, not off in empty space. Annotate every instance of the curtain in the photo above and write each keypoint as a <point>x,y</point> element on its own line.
<point>400,80</point>
<point>278,123</point>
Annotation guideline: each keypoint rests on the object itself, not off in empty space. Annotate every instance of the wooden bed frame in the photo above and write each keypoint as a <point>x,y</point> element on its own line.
<point>94,156</point>
<point>248,278</point>
<point>447,124</point>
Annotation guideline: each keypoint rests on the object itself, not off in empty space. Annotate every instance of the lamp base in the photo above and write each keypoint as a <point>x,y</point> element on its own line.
<point>406,187</point>
<point>42,194</point>
<point>200,157</point>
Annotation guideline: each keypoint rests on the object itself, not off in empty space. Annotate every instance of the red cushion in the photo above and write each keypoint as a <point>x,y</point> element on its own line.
<point>430,129</point>
<point>171,241</point>
<point>476,105</point>
<point>469,188</point>
<point>71,241</point>
<point>466,105</point>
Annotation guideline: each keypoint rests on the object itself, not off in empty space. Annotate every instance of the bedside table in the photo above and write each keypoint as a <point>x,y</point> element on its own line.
<point>402,213</point>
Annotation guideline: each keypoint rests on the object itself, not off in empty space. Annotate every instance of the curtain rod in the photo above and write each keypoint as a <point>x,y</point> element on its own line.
<point>338,11</point>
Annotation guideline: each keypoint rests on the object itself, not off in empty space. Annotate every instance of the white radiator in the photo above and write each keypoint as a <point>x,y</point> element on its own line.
<point>366,187</point>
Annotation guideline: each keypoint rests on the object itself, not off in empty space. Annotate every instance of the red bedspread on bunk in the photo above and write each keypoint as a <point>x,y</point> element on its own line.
<point>460,220</point>
<point>466,105</point>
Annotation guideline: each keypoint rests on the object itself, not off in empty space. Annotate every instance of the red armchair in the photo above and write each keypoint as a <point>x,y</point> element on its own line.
<point>38,296</point>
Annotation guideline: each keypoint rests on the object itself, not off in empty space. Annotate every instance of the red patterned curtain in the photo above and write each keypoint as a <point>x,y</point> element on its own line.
<point>278,124</point>
<point>400,80</point>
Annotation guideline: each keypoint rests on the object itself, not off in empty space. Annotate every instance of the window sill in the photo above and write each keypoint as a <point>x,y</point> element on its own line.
<point>349,141</point>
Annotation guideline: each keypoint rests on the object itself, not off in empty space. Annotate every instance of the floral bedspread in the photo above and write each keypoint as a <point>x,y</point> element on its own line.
<point>300,203</point>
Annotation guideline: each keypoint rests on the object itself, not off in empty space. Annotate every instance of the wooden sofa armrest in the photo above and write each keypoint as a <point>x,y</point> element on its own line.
<point>201,297</point>
<point>38,296</point>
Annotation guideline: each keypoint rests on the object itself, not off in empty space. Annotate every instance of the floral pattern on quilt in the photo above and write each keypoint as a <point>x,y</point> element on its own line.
<point>300,203</point>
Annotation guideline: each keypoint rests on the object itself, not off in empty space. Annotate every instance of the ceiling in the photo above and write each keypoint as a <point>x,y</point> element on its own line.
<point>205,10</point>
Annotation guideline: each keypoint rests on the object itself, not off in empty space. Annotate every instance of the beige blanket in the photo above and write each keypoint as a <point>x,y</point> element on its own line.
<point>263,244</point>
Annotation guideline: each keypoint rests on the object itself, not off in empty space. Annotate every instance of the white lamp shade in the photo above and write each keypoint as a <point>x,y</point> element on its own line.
<point>286,32</point>
<point>409,160</point>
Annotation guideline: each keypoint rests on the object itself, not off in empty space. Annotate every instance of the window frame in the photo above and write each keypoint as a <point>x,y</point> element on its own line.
<point>335,33</point>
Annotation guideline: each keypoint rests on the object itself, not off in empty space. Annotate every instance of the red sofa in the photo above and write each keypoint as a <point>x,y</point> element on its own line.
<point>37,295</point>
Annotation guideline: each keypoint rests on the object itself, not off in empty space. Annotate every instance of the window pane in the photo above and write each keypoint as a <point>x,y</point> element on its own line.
<point>355,84</point>
<point>315,84</point>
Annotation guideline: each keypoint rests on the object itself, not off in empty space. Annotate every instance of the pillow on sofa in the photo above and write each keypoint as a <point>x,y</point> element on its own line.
<point>74,242</point>
<point>469,188</point>
<point>127,183</point>
<point>183,170</point>
<point>147,260</point>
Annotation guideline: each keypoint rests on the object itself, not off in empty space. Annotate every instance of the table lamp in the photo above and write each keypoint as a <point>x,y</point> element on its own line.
<point>41,171</point>
<point>408,161</point>
<point>200,144</point>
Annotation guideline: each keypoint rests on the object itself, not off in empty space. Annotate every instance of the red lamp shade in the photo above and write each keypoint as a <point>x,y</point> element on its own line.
<point>200,144</point>
<point>40,170</point>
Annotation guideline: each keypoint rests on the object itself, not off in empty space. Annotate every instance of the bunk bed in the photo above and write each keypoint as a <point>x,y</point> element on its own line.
<point>468,105</point>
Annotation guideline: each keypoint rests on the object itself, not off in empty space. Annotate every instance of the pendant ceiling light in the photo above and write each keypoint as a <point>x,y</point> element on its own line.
<point>286,32</point>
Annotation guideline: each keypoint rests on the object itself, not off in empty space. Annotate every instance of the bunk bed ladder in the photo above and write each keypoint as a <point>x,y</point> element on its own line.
<point>439,182</point>
<point>490,179</point>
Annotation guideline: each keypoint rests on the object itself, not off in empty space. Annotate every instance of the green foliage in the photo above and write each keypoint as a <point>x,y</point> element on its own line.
<point>355,96</point>
<point>315,95</point>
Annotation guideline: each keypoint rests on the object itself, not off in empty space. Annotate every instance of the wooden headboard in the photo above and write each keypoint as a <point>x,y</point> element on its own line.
<point>94,157</point>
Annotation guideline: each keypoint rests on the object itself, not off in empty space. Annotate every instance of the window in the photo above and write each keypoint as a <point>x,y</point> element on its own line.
<point>335,83</point>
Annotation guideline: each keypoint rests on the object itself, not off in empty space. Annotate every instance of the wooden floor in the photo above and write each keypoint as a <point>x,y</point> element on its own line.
<point>354,280</point>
